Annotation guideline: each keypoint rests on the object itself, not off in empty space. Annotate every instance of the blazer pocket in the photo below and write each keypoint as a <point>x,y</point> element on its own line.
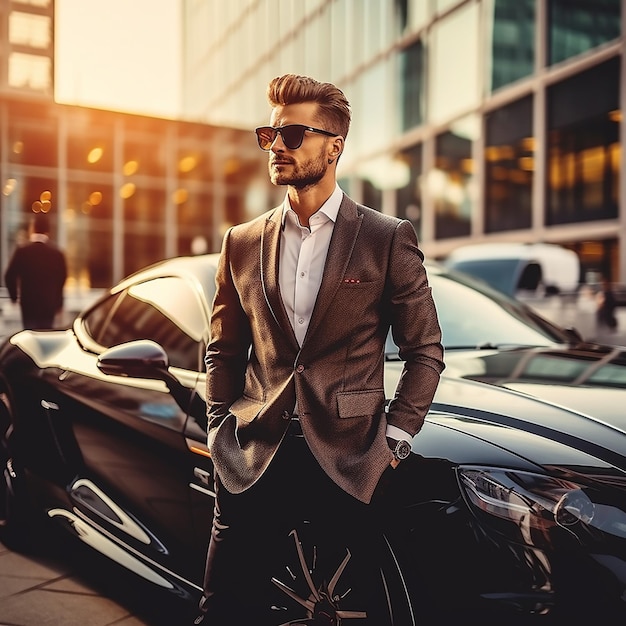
<point>358,403</point>
<point>246,409</point>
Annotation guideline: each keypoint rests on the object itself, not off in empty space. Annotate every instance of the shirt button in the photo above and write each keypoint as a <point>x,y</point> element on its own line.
<point>300,320</point>
<point>300,368</point>
<point>302,274</point>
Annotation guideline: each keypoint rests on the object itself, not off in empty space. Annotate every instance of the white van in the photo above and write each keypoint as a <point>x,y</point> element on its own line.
<point>514,268</point>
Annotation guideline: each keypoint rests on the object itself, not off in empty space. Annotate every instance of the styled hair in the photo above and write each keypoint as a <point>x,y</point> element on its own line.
<point>334,108</point>
<point>40,223</point>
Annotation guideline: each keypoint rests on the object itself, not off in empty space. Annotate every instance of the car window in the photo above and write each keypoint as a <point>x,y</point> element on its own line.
<point>502,274</point>
<point>470,317</point>
<point>95,319</point>
<point>166,310</point>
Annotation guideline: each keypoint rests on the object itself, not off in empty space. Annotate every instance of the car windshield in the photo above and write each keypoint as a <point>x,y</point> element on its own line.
<point>502,275</point>
<point>473,316</point>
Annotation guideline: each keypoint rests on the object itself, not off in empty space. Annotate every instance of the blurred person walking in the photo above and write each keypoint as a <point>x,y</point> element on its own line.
<point>36,275</point>
<point>297,426</point>
<point>606,305</point>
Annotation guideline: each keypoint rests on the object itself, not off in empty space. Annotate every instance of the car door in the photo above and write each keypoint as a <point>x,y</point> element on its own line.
<point>135,462</point>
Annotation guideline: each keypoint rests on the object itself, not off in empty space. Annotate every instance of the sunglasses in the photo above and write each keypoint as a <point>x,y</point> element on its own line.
<point>292,134</point>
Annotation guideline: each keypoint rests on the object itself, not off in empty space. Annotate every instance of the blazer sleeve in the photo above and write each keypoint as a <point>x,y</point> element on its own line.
<point>416,332</point>
<point>229,344</point>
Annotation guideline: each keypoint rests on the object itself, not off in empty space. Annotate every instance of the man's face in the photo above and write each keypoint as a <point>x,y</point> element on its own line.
<point>306,165</point>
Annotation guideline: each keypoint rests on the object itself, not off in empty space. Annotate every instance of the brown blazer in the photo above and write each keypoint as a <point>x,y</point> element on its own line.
<point>373,277</point>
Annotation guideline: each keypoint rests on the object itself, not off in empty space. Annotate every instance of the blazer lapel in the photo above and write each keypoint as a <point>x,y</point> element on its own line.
<point>341,246</point>
<point>270,252</point>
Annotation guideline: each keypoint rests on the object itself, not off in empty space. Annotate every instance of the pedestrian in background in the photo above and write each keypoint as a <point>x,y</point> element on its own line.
<point>36,275</point>
<point>305,298</point>
<point>606,304</point>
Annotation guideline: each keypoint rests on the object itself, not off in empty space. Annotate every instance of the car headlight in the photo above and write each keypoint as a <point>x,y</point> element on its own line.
<point>536,506</point>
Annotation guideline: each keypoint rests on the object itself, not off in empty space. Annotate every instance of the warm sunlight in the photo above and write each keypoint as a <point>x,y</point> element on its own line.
<point>119,55</point>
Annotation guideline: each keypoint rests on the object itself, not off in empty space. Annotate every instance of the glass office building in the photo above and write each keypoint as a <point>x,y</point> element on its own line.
<point>122,191</point>
<point>478,120</point>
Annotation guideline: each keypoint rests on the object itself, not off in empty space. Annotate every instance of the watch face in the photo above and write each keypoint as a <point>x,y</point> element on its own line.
<point>402,451</point>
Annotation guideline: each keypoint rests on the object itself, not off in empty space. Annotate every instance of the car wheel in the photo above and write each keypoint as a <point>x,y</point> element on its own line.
<point>321,583</point>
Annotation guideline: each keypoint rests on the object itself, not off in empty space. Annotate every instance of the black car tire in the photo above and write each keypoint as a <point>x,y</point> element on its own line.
<point>312,559</point>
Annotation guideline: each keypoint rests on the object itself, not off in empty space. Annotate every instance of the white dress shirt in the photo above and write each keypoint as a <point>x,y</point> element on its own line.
<point>303,253</point>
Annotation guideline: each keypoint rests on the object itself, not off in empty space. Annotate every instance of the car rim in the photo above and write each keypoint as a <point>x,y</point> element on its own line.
<point>322,585</point>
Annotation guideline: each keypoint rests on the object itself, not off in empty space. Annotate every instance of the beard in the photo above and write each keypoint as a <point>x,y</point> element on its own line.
<point>300,175</point>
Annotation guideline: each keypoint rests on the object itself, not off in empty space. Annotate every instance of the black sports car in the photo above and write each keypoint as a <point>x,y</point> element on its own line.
<point>517,482</point>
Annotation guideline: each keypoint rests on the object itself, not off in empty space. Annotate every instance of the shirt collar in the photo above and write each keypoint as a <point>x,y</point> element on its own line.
<point>40,237</point>
<point>330,208</point>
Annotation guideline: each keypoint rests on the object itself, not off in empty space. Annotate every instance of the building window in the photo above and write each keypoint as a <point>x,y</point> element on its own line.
<point>509,166</point>
<point>144,226</point>
<point>194,221</point>
<point>30,71</point>
<point>454,67</point>
<point>32,134</point>
<point>89,234</point>
<point>511,27</point>
<point>90,144</point>
<point>26,29</point>
<point>584,146</point>
<point>412,85</point>
<point>576,26</point>
<point>409,197</point>
<point>450,183</point>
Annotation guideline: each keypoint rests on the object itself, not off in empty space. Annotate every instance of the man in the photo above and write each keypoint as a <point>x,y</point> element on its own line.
<point>35,276</point>
<point>295,400</point>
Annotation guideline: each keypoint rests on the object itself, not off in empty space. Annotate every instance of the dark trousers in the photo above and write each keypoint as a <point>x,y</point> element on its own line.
<point>37,322</point>
<point>252,532</point>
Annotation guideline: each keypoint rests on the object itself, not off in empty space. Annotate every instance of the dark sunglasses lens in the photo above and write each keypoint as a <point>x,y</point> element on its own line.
<point>265,137</point>
<point>293,136</point>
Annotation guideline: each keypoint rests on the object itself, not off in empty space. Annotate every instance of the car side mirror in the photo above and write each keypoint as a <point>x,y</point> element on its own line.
<point>137,359</point>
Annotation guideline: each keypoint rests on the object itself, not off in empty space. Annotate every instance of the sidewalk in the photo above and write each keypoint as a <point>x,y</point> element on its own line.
<point>62,586</point>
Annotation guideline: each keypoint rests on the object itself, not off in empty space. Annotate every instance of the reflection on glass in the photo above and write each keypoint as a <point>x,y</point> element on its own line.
<point>372,195</point>
<point>450,182</point>
<point>575,27</point>
<point>511,26</point>
<point>454,64</point>
<point>409,197</point>
<point>88,231</point>
<point>583,146</point>
<point>509,167</point>
<point>412,77</point>
<point>410,15</point>
<point>30,71</point>
<point>32,142</point>
<point>142,315</point>
<point>147,151</point>
<point>144,224</point>
<point>27,29</point>
<point>442,5</point>
<point>193,219</point>
<point>90,143</point>
<point>492,321</point>
<point>376,121</point>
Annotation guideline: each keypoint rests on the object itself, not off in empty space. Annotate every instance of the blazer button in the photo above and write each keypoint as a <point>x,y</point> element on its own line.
<point>286,415</point>
<point>300,368</point>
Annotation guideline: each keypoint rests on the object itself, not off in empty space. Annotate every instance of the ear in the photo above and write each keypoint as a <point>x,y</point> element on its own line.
<point>335,149</point>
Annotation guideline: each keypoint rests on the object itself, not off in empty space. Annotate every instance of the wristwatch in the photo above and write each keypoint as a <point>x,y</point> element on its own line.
<point>402,450</point>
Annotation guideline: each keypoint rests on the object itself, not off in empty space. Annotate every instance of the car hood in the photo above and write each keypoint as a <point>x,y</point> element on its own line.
<point>493,409</point>
<point>588,378</point>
